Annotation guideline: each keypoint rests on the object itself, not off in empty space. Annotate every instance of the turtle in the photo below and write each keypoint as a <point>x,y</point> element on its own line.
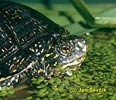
<point>32,45</point>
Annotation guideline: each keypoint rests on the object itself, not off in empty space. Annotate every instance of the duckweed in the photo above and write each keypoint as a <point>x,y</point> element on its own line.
<point>6,91</point>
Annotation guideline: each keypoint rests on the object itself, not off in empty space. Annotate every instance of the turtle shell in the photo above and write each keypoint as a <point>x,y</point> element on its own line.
<point>20,28</point>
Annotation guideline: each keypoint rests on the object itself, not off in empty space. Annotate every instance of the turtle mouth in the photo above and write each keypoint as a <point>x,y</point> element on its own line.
<point>73,64</point>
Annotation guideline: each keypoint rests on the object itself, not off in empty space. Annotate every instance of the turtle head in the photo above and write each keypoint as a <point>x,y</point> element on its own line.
<point>69,52</point>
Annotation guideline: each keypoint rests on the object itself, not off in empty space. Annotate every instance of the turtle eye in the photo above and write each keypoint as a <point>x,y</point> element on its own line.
<point>66,49</point>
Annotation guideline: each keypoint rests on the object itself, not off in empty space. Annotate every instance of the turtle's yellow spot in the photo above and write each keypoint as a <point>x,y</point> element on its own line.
<point>47,55</point>
<point>40,70</point>
<point>56,56</point>
<point>55,63</point>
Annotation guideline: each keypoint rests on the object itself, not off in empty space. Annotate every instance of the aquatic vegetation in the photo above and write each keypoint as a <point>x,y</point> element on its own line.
<point>6,92</point>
